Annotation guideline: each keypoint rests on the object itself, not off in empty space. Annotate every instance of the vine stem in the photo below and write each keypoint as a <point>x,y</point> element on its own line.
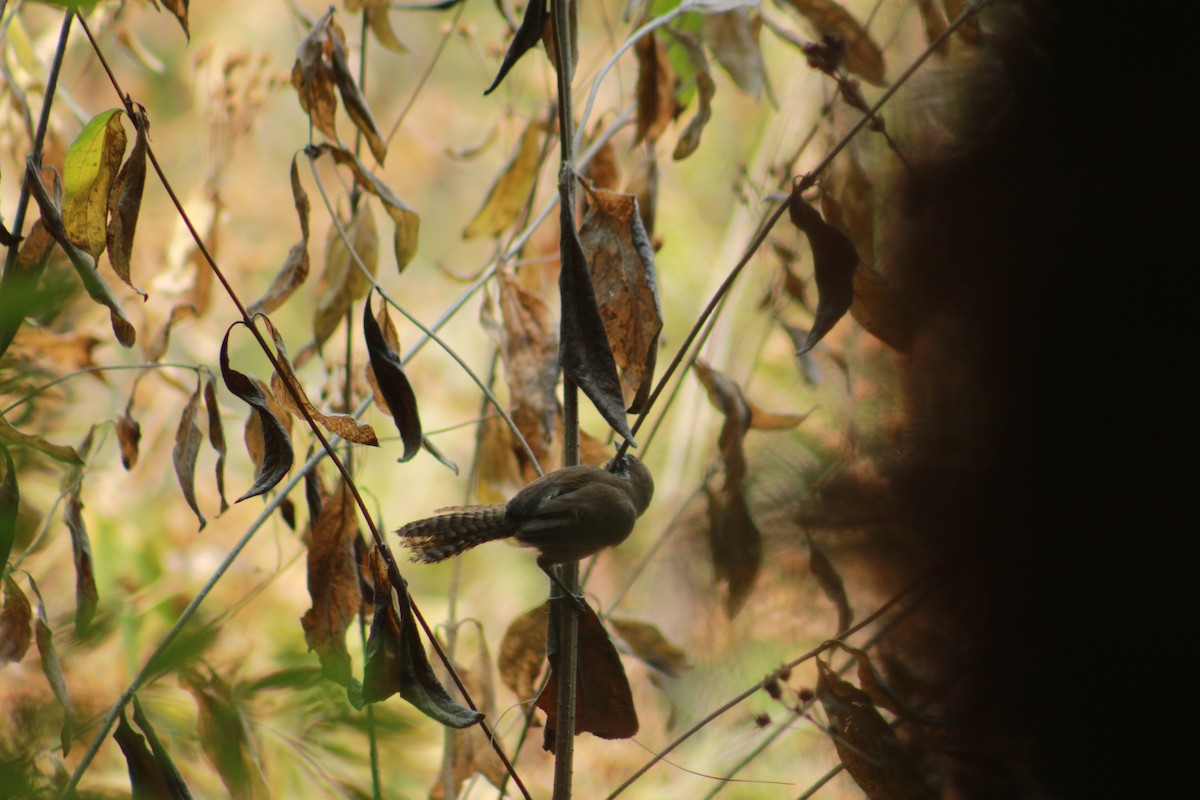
<point>565,640</point>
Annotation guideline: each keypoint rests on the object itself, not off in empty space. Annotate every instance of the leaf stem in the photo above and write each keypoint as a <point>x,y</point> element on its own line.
<point>88,370</point>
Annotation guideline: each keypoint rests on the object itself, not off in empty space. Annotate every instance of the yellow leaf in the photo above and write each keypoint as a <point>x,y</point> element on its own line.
<point>91,165</point>
<point>510,192</point>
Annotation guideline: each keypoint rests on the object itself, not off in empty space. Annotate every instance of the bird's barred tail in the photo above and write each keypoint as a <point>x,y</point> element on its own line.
<point>454,531</point>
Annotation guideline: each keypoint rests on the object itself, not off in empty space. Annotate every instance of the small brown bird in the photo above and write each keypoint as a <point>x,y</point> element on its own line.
<point>569,514</point>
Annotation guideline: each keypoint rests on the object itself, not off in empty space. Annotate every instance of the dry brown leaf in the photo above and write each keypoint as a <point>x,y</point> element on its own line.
<point>522,655</point>
<point>604,170</point>
<point>621,261</point>
<point>296,266</point>
<point>381,26</point>
<point>655,89</point>
<point>179,8</point>
<point>498,476</point>
<point>11,436</point>
<point>603,700</point>
<point>87,598</point>
<point>156,348</point>
<point>124,204</point>
<point>333,584</point>
<point>16,629</point>
<point>343,425</point>
<point>187,447</point>
<point>834,262</point>
<point>510,192</point>
<point>407,222</point>
<point>530,352</point>
<point>313,77</point>
<point>52,669</point>
<point>863,56</point>
<point>525,39</point>
<point>830,583</point>
<point>216,436</point>
<point>386,375</point>
<point>129,434</point>
<point>353,100</point>
<point>706,89</point>
<point>866,743</point>
<point>267,432</point>
<point>647,643</point>
<point>343,282</point>
<point>733,40</point>
<point>395,660</point>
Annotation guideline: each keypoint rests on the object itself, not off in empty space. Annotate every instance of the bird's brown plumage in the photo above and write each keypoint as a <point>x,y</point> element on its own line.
<point>569,514</point>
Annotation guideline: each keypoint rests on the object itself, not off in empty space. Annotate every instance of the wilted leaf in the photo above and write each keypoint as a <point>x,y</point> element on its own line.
<point>353,100</point>
<point>343,281</point>
<point>526,38</point>
<point>396,662</point>
<point>10,504</point>
<point>530,352</point>
<point>830,583</point>
<point>15,630</point>
<point>510,192</point>
<point>647,643</point>
<point>313,78</point>
<point>152,773</point>
<point>125,203</point>
<point>603,700</point>
<point>863,56</point>
<point>735,543</point>
<point>129,434</point>
<point>187,447</point>
<point>11,436</point>
<point>865,742</point>
<point>83,262</point>
<point>878,308</point>
<point>276,443</point>
<point>706,89</point>
<point>407,223</point>
<point>727,397</point>
<point>583,348</point>
<point>643,185</point>
<point>91,165</point>
<point>156,348</point>
<point>54,676</point>
<point>498,476</point>
<point>216,435</point>
<point>332,584</point>
<point>225,736</point>
<point>388,375</point>
<point>655,89</point>
<point>522,653</point>
<point>734,44</point>
<point>86,596</point>
<point>604,170</point>
<point>834,260</point>
<point>343,425</point>
<point>179,8</point>
<point>295,267</point>
<point>381,26</point>
<point>621,262</point>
